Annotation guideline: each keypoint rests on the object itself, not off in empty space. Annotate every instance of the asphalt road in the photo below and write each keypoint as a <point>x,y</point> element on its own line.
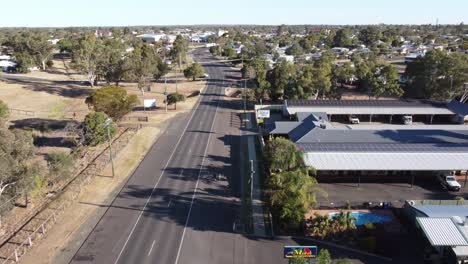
<point>148,220</point>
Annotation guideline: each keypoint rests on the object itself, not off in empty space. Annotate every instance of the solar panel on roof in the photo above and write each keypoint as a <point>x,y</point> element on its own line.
<point>385,147</point>
<point>366,103</point>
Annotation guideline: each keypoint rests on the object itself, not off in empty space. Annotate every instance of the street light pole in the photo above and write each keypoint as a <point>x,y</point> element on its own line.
<point>108,123</point>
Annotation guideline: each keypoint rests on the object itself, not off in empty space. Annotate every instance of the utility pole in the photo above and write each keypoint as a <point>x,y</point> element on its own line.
<point>251,179</point>
<point>108,124</point>
<point>165,90</point>
<point>245,91</point>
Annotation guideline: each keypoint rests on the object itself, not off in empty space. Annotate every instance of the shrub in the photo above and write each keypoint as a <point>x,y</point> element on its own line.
<point>113,101</point>
<point>324,257</point>
<point>94,129</point>
<point>4,111</point>
<point>60,165</point>
<point>194,71</point>
<point>174,98</point>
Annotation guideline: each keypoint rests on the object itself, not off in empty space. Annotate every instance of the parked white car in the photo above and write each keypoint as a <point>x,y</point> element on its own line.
<point>353,119</point>
<point>449,182</point>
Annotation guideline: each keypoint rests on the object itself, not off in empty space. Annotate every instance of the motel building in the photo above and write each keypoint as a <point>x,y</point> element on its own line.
<point>374,137</point>
<point>443,224</point>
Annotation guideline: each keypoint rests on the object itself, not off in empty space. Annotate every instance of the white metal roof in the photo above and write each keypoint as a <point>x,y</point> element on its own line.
<point>460,251</point>
<point>373,161</point>
<point>442,231</point>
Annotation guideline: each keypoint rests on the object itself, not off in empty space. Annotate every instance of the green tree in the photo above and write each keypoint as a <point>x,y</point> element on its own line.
<point>143,64</point>
<point>342,38</point>
<point>40,48</point>
<point>295,50</point>
<point>113,101</point>
<point>111,66</point>
<point>324,257</point>
<point>216,50</point>
<point>87,55</point>
<point>179,50</point>
<point>193,72</point>
<point>385,82</point>
<point>229,52</point>
<point>65,45</point>
<point>438,75</point>
<point>280,78</point>
<point>256,70</point>
<point>308,42</point>
<point>16,168</point>
<point>282,155</point>
<point>95,130</point>
<point>174,98</point>
<point>344,73</point>
<point>25,61</point>
<point>35,45</point>
<point>322,81</point>
<point>370,35</point>
<point>291,195</point>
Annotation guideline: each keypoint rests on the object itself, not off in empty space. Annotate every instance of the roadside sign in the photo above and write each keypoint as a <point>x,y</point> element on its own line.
<point>300,252</point>
<point>263,113</point>
<point>149,103</point>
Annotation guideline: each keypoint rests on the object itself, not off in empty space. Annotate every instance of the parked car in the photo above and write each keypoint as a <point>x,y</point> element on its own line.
<point>353,119</point>
<point>449,182</point>
<point>407,119</point>
<point>206,75</point>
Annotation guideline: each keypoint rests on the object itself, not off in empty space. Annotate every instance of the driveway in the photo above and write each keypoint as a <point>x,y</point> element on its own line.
<point>395,189</point>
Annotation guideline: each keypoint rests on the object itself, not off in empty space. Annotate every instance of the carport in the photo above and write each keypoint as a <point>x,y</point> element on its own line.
<point>399,159</point>
<point>370,108</point>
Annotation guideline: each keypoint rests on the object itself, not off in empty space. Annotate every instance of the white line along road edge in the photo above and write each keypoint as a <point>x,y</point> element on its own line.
<point>157,182</point>
<point>198,179</point>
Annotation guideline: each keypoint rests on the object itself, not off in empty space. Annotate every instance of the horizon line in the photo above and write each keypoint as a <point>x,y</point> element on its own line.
<point>231,25</point>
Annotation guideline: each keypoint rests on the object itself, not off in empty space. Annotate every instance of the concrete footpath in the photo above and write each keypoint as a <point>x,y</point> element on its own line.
<point>257,203</point>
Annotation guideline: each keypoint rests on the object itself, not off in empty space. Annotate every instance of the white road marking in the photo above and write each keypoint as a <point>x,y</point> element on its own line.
<point>157,182</point>
<point>198,179</point>
<point>152,245</point>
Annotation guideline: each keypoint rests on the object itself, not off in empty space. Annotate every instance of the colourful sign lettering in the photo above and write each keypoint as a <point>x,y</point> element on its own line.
<point>300,252</point>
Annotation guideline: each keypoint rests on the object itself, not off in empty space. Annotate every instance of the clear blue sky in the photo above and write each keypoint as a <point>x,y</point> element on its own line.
<point>40,13</point>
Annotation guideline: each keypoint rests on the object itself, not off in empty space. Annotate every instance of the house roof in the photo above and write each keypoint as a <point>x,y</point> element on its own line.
<point>442,231</point>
